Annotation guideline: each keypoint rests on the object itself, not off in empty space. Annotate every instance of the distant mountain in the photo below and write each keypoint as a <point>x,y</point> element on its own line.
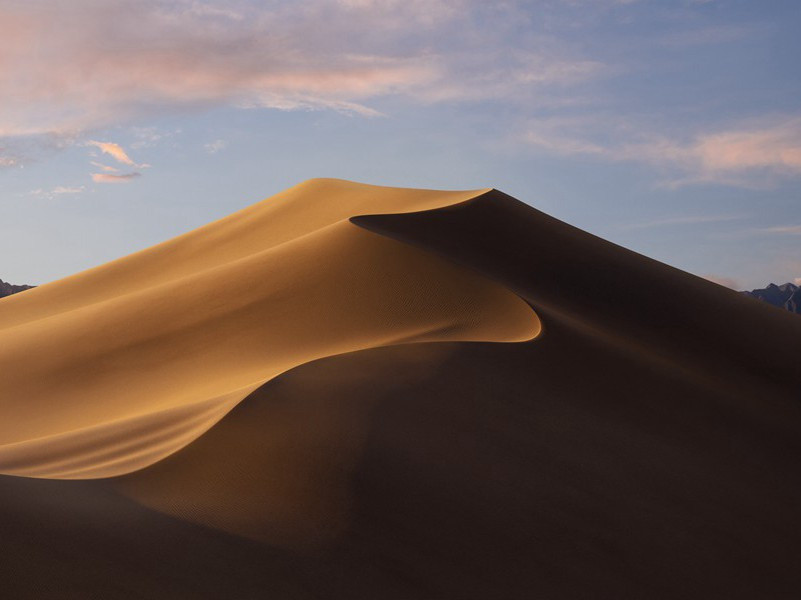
<point>787,296</point>
<point>6,289</point>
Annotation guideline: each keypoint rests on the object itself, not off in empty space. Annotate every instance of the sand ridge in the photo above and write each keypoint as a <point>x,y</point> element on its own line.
<point>644,445</point>
<point>117,367</point>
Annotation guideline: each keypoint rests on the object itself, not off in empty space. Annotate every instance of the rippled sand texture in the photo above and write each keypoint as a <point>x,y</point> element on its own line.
<point>306,400</point>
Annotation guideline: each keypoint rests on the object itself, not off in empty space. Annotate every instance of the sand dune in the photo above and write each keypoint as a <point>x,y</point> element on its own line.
<point>120,366</point>
<point>304,400</point>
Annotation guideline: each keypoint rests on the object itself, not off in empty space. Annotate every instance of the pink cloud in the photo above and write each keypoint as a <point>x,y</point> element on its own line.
<point>108,178</point>
<point>775,147</point>
<point>98,64</point>
<point>115,151</point>
<point>782,230</point>
<point>104,167</point>
<point>745,154</point>
<point>156,57</point>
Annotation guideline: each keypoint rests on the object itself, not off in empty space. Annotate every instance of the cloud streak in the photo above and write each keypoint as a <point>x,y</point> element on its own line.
<point>109,178</point>
<point>106,168</point>
<point>781,230</point>
<point>684,220</point>
<point>215,146</point>
<point>115,151</point>
<point>57,191</point>
<point>748,154</point>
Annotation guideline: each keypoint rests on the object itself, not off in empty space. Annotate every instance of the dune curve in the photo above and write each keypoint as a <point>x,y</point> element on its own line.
<point>117,367</point>
<point>644,445</point>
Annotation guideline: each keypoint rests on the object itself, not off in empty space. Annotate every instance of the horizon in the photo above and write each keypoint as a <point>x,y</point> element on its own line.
<point>670,128</point>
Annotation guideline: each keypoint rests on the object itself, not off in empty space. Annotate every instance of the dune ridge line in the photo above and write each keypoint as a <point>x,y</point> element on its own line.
<point>119,366</point>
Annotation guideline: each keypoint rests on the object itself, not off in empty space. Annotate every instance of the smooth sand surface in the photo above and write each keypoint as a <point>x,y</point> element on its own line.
<point>272,437</point>
<point>115,368</point>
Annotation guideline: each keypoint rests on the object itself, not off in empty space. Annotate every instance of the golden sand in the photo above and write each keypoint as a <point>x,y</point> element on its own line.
<point>121,365</point>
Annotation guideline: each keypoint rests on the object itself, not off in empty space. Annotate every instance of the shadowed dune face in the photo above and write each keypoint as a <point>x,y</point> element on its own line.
<point>291,450</point>
<point>644,445</point>
<point>659,314</point>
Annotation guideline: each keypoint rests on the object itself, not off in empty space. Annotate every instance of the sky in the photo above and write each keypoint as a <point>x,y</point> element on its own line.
<point>670,127</point>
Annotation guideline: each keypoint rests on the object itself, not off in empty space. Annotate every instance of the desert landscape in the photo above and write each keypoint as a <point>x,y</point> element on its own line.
<point>400,300</point>
<point>353,391</point>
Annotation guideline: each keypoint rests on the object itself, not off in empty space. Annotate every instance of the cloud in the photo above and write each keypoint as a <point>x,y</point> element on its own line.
<point>776,147</point>
<point>104,167</point>
<point>120,155</point>
<point>724,281</point>
<point>19,151</point>
<point>781,230</point>
<point>215,146</point>
<point>108,178</point>
<point>146,137</point>
<point>157,57</point>
<point>746,154</point>
<point>114,150</point>
<point>57,191</point>
<point>104,63</point>
<point>517,82</point>
<point>60,190</point>
<point>685,220</point>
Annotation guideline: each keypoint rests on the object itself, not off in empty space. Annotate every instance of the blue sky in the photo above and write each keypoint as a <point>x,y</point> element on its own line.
<point>671,127</point>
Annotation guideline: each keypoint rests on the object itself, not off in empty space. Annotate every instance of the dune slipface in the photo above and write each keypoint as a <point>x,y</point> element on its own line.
<point>307,399</point>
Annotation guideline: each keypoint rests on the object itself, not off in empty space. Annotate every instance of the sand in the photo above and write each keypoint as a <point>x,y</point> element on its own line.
<point>308,399</point>
<point>124,364</point>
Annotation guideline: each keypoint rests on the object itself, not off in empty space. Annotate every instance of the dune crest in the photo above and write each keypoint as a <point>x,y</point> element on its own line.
<point>644,446</point>
<point>117,367</point>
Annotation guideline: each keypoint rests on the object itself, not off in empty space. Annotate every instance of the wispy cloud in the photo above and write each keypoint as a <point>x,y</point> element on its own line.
<point>109,178</point>
<point>259,55</point>
<point>57,191</point>
<point>776,146</point>
<point>119,154</point>
<point>9,161</point>
<point>115,151</point>
<point>146,137</point>
<point>746,154</point>
<point>200,60</point>
<point>159,58</point>
<point>780,230</point>
<point>215,146</point>
<point>106,168</point>
<point>683,220</point>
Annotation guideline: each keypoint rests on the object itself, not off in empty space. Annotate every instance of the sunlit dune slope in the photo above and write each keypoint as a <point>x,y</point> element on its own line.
<point>117,367</point>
